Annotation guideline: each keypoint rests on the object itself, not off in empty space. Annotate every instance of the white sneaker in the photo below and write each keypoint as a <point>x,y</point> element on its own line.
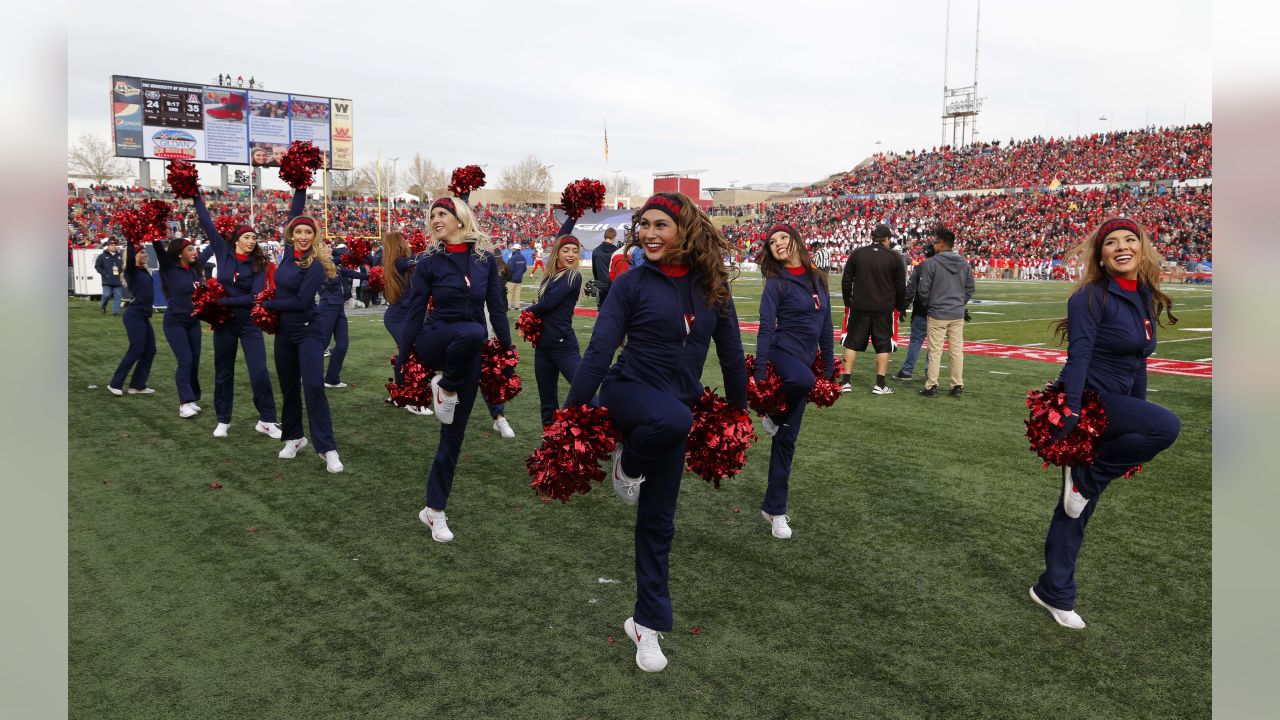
<point>418,410</point>
<point>291,447</point>
<point>1065,618</point>
<point>187,410</point>
<point>881,390</point>
<point>116,391</point>
<point>770,427</point>
<point>438,522</point>
<point>649,657</point>
<point>331,461</point>
<point>781,529</point>
<point>847,387</point>
<point>503,427</point>
<point>268,428</point>
<point>335,385</point>
<point>442,404</point>
<point>195,407</point>
<point>140,391</point>
<point>1072,501</point>
<point>624,486</point>
<point>221,430</point>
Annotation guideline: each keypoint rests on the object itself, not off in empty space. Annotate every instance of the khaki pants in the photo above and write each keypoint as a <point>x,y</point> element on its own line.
<point>513,296</point>
<point>953,332</point>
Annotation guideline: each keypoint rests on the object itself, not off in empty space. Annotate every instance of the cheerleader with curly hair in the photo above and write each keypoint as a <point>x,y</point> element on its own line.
<point>667,311</point>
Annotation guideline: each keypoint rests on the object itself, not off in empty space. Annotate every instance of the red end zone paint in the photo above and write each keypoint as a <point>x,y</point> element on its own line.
<point>1180,368</point>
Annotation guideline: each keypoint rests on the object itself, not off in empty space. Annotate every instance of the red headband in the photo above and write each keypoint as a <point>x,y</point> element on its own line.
<point>1115,224</point>
<point>300,220</point>
<point>569,240</point>
<point>666,203</point>
<point>782,227</point>
<point>446,203</point>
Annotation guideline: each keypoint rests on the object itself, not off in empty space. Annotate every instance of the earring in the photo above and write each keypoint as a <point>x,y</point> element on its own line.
<point>1099,263</point>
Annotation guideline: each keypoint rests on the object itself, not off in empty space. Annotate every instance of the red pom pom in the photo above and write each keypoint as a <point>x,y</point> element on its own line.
<point>765,396</point>
<point>357,253</point>
<point>204,303</point>
<point>499,382</point>
<point>1048,410</point>
<point>530,327</point>
<point>300,161</point>
<point>146,223</point>
<point>267,320</point>
<point>376,282</point>
<point>582,195</point>
<point>184,179</point>
<point>417,241</point>
<point>719,438</point>
<point>572,446</point>
<point>226,224</point>
<point>465,179</point>
<point>825,389</point>
<point>414,388</point>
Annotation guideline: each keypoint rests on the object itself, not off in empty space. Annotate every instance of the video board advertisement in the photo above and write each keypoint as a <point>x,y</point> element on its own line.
<point>165,120</point>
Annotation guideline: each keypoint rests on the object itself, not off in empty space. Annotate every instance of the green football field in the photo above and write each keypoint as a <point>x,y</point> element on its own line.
<point>919,525</point>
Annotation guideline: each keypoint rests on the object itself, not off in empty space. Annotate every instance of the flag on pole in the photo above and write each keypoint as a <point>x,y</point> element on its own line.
<point>606,143</point>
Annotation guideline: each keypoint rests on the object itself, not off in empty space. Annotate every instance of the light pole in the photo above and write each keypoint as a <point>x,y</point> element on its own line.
<point>547,169</point>
<point>391,206</point>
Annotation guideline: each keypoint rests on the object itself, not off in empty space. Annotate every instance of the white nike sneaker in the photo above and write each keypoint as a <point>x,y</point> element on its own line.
<point>419,409</point>
<point>442,404</point>
<point>187,410</point>
<point>624,486</point>
<point>140,391</point>
<point>649,657</point>
<point>1065,618</point>
<point>268,428</point>
<point>770,427</point>
<point>335,385</point>
<point>438,522</point>
<point>503,427</point>
<point>116,390</point>
<point>778,523</point>
<point>291,447</point>
<point>221,429</point>
<point>1072,501</point>
<point>331,461</point>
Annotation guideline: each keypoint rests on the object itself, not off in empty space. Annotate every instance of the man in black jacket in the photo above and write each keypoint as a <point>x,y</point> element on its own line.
<point>110,265</point>
<point>600,258</point>
<point>874,287</point>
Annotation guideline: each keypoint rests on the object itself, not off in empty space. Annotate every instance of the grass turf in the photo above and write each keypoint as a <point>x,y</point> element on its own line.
<point>919,527</point>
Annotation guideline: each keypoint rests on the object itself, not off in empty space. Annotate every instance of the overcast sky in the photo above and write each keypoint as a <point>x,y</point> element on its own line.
<point>748,91</point>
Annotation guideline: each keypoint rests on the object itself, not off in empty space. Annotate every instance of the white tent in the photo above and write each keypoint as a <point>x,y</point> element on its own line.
<point>406,198</point>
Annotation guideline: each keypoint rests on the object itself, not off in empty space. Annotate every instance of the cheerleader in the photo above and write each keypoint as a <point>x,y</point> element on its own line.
<point>668,311</point>
<point>397,270</point>
<point>458,276</point>
<point>333,310</point>
<point>499,412</point>
<point>301,339</point>
<point>137,325</point>
<point>242,270</point>
<point>1110,330</point>
<point>557,352</point>
<point>181,272</point>
<point>795,323</point>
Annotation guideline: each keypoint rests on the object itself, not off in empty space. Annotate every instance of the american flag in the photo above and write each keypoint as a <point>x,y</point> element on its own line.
<point>606,143</point>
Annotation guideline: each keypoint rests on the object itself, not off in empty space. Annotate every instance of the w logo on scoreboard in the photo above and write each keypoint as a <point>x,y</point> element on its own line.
<point>343,108</point>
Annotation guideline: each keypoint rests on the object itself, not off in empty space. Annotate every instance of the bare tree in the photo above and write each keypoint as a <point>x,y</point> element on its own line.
<point>528,181</point>
<point>622,185</point>
<point>366,180</point>
<point>94,158</point>
<point>424,179</point>
<point>342,183</point>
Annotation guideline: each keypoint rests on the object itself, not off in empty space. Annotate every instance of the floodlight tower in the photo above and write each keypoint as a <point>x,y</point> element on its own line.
<point>960,105</point>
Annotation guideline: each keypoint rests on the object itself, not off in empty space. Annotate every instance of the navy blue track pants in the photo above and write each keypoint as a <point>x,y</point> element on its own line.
<point>239,332</point>
<point>797,380</point>
<point>299,354</point>
<point>550,361</point>
<point>183,334</point>
<point>655,427</point>
<point>1136,432</point>
<point>455,348</point>
<point>142,350</point>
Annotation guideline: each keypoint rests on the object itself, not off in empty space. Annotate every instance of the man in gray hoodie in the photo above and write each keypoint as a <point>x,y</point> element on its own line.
<point>945,287</point>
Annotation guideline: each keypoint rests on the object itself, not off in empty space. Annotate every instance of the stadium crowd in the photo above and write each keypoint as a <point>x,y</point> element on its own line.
<point>1178,153</point>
